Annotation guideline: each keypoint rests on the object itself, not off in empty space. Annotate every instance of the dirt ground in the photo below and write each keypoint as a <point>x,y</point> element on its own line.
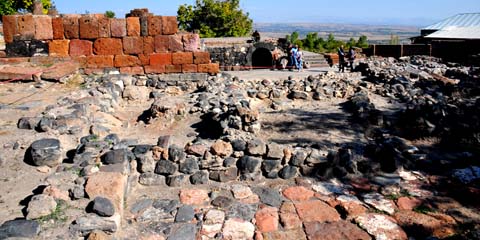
<point>294,123</point>
<point>298,122</point>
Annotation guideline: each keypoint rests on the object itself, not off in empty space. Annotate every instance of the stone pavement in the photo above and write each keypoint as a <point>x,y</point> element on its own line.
<point>303,209</point>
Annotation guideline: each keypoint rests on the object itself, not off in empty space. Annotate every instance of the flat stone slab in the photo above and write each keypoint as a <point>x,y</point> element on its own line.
<point>19,72</point>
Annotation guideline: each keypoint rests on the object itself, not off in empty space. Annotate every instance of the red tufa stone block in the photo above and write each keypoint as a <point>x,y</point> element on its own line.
<point>154,69</point>
<point>148,45</point>
<point>71,27</point>
<point>133,45</point>
<point>175,44</point>
<point>201,57</point>
<point>211,68</point>
<point>25,27</point>
<point>43,27</point>
<point>173,68</point>
<point>104,61</point>
<point>126,61</point>
<point>14,60</point>
<point>132,70</point>
<point>57,28</point>
<point>191,42</point>
<point>88,25</point>
<point>9,27</point>
<point>133,26</point>
<point>161,59</point>
<point>169,25</point>
<point>58,48</point>
<point>118,27</point>
<point>3,54</point>
<point>144,59</point>
<point>189,68</point>
<point>81,47</point>
<point>108,46</point>
<point>182,58</point>
<point>161,43</point>
<point>80,60</point>
<point>104,27</point>
<point>154,25</point>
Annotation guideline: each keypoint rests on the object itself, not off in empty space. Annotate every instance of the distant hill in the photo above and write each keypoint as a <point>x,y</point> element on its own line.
<point>375,33</point>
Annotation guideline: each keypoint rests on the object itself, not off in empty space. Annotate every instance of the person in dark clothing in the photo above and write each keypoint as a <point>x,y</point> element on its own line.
<point>256,36</point>
<point>341,59</point>
<point>351,58</point>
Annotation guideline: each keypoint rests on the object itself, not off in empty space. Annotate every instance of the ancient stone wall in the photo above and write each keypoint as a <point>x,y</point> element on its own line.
<point>136,45</point>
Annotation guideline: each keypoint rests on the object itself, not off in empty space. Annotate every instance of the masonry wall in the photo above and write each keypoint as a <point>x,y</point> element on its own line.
<point>136,45</point>
<point>399,50</point>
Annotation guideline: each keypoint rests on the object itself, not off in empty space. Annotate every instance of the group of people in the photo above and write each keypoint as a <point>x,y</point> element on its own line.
<point>295,56</point>
<point>341,58</point>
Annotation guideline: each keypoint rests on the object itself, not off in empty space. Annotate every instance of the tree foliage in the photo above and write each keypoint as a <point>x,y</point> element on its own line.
<point>109,14</point>
<point>215,18</point>
<point>313,43</point>
<point>8,7</point>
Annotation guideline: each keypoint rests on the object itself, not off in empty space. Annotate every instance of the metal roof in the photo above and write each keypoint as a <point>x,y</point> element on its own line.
<point>472,32</point>
<point>459,20</point>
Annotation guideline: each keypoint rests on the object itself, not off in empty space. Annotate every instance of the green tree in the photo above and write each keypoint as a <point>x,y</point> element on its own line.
<point>362,42</point>
<point>215,18</point>
<point>294,37</point>
<point>351,43</point>
<point>109,14</point>
<point>310,40</point>
<point>8,7</point>
<point>394,39</point>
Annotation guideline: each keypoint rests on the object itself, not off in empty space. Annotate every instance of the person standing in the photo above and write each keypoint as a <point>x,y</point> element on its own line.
<point>293,57</point>
<point>275,57</point>
<point>299,60</point>
<point>351,58</point>
<point>341,59</point>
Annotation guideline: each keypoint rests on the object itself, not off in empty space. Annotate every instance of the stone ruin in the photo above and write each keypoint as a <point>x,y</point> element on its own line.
<point>365,189</point>
<point>106,169</point>
<point>141,43</point>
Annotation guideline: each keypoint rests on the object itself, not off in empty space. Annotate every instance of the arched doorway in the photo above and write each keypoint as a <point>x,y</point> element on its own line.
<point>262,58</point>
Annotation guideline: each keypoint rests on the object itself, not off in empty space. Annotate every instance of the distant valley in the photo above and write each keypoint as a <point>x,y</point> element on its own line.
<point>374,33</point>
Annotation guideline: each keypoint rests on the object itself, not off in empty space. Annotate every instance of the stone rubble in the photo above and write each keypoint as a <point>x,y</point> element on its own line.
<point>273,190</point>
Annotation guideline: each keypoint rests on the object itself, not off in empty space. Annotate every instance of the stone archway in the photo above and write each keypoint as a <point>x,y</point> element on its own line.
<point>262,58</point>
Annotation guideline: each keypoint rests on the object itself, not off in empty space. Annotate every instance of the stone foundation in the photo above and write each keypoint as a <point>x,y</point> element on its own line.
<point>134,45</point>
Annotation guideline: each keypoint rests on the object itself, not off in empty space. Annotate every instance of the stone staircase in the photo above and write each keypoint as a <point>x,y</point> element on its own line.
<point>315,59</point>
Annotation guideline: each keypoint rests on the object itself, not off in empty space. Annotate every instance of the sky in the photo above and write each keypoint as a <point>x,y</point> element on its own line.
<point>381,12</point>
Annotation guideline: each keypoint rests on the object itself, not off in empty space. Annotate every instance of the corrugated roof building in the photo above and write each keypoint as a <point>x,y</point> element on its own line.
<point>456,38</point>
<point>460,26</point>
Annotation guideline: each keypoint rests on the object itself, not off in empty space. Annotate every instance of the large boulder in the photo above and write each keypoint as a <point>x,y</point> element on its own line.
<point>46,152</point>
